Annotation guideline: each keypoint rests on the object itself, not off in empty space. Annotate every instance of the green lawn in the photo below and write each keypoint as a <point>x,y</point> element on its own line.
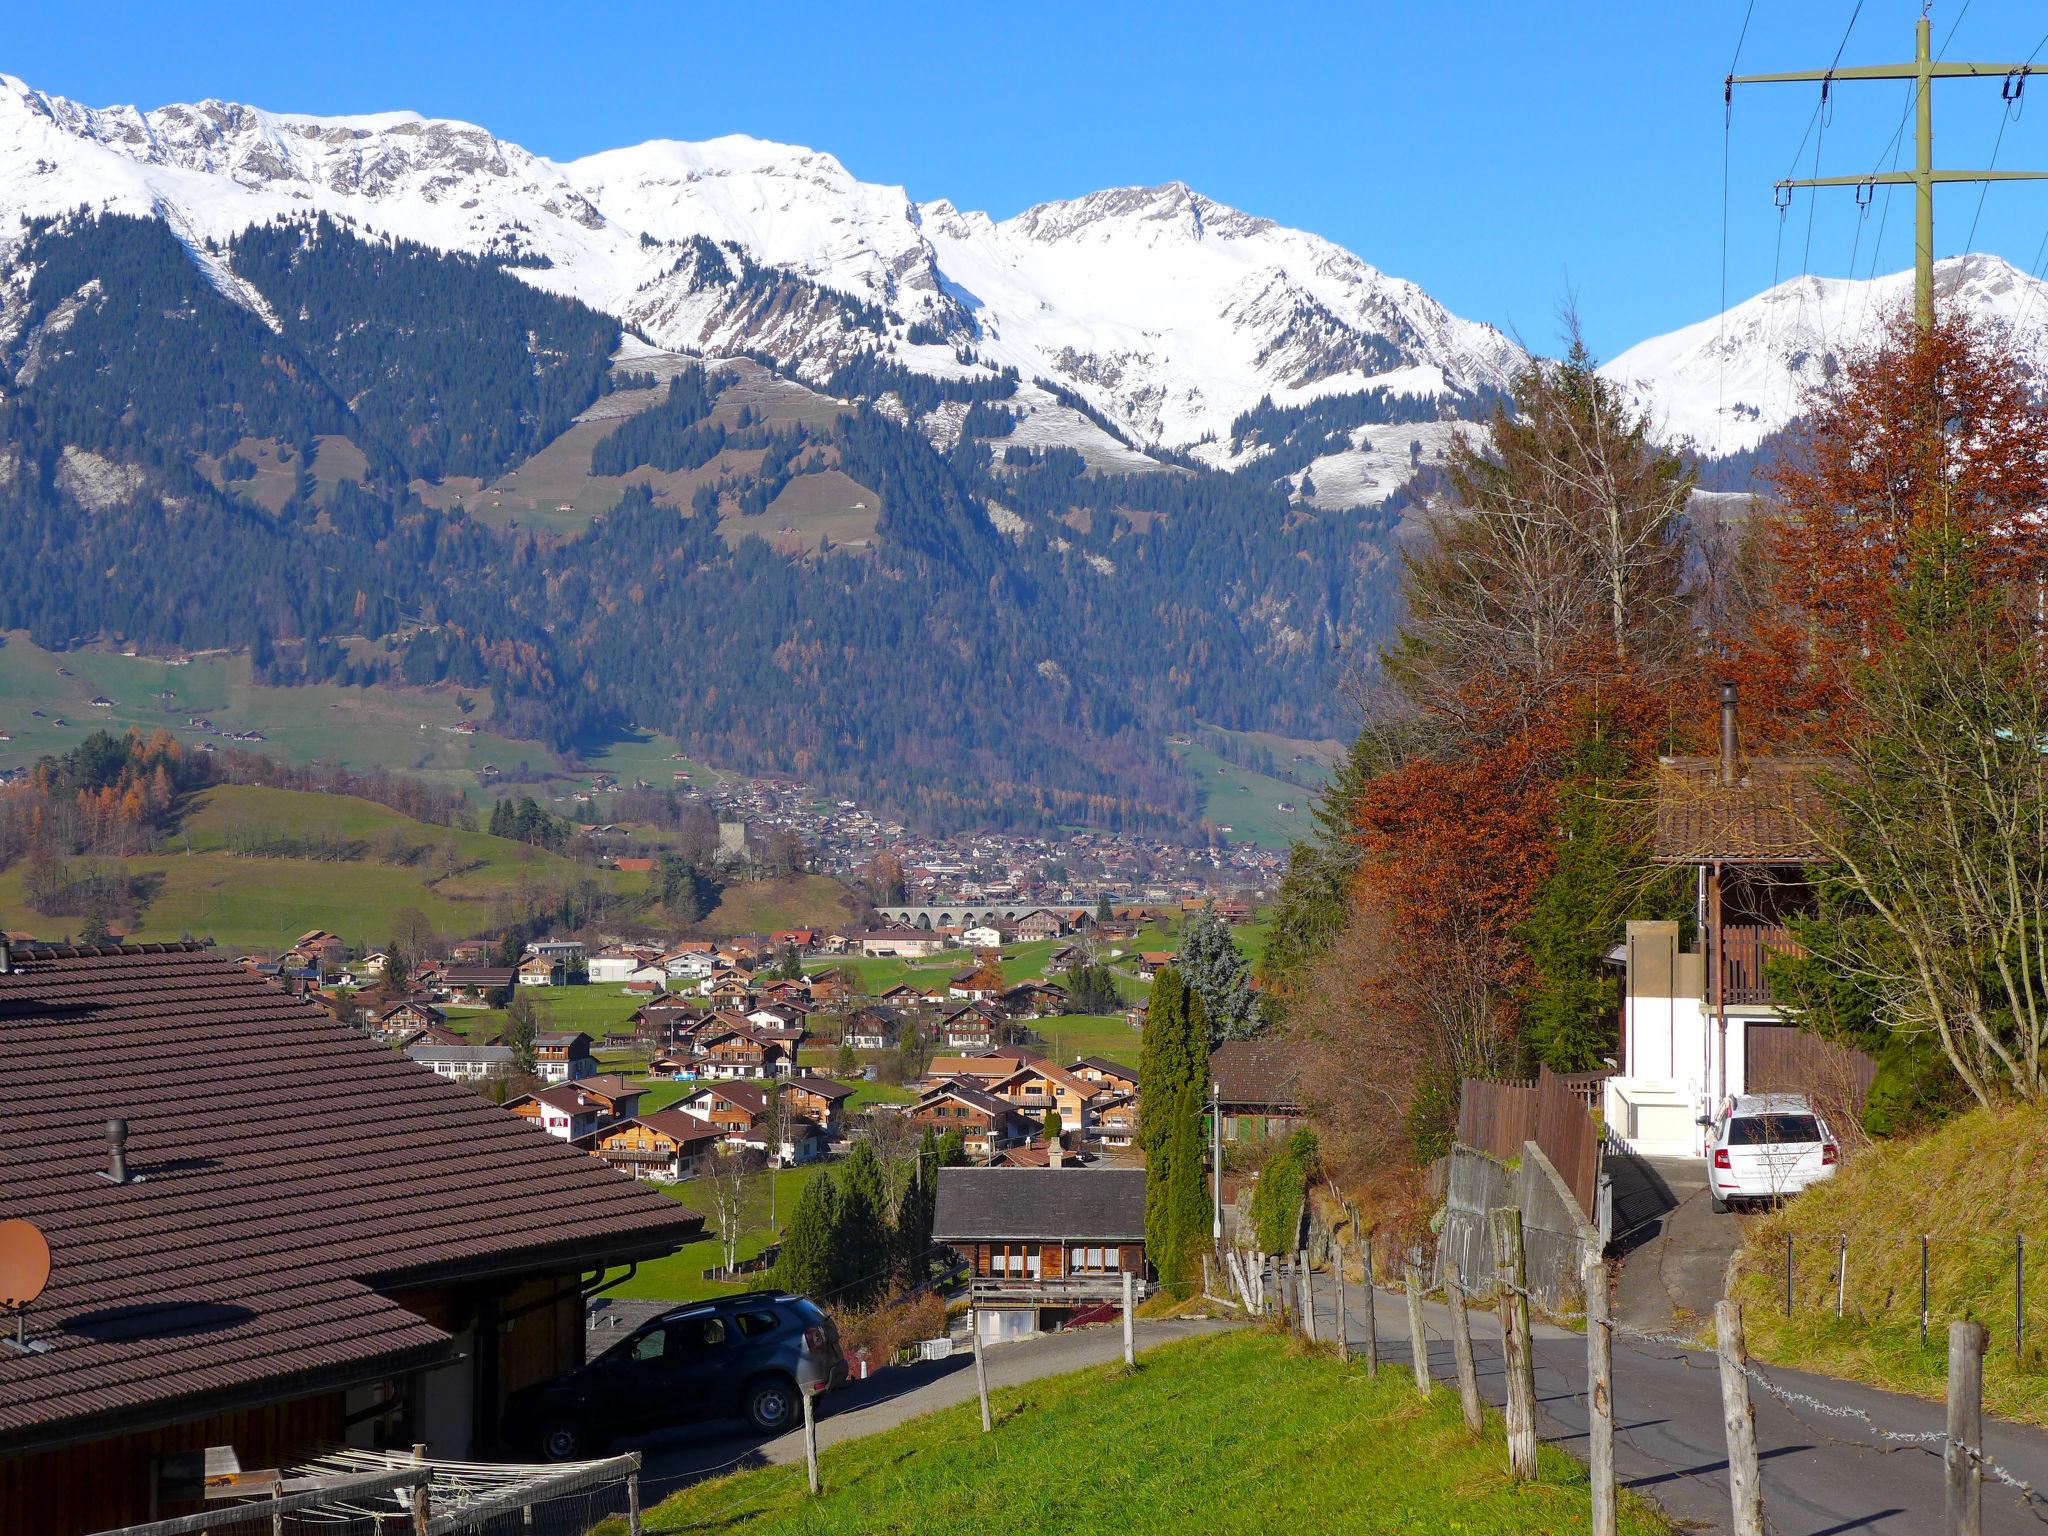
<point>1087,1034</point>
<point>1248,803</point>
<point>1235,1433</point>
<point>198,885</point>
<point>680,1276</point>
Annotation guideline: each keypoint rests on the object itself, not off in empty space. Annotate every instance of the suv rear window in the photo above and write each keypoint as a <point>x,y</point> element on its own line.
<point>1771,1130</point>
<point>753,1324</point>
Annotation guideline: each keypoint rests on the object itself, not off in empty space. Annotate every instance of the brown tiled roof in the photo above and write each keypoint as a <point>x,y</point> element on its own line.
<point>1764,818</point>
<point>276,1200</point>
<point>1258,1073</point>
<point>1094,1204</point>
<point>679,1123</point>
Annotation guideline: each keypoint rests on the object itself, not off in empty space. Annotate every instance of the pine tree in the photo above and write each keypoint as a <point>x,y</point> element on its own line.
<point>1216,971</point>
<point>913,1234</point>
<point>522,1023</point>
<point>861,1254</point>
<point>805,1266</point>
<point>953,1150</point>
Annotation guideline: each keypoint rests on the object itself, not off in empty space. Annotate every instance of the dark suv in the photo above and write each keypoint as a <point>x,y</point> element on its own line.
<point>738,1356</point>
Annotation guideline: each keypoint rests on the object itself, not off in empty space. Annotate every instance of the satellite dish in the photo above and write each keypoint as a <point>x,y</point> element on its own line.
<point>24,1264</point>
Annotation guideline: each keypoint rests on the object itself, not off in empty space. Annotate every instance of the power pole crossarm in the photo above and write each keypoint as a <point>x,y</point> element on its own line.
<point>1923,178</point>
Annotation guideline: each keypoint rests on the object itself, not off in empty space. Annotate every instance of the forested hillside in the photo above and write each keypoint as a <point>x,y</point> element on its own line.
<point>1010,651</point>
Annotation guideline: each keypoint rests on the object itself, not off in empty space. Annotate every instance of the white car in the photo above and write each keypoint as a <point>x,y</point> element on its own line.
<point>1767,1146</point>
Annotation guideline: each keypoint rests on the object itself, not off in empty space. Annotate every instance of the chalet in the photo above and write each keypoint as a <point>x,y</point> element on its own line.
<point>573,1110</point>
<point>902,995</point>
<point>778,1015</point>
<point>571,952</point>
<point>478,983</point>
<point>818,1099</point>
<point>871,1029</point>
<point>562,1056</point>
<point>668,1144</point>
<point>742,1114</point>
<point>1699,1025</point>
<point>1065,958</point>
<point>986,1123</point>
<point>982,936</point>
<point>742,1051</point>
<point>436,1034</point>
<point>829,986</point>
<point>1110,1074</point>
<point>540,971</point>
<point>1042,924</point>
<point>464,1063</point>
<point>688,964</point>
<point>979,985</point>
<point>1038,1089</point>
<point>1042,1243</point>
<point>794,938</point>
<point>1152,961</point>
<point>1033,1000</point>
<point>668,1067</point>
<point>1115,1119</point>
<point>336,1232</point>
<point>973,1028</point>
<point>1257,1088</point>
<point>730,992</point>
<point>407,1019</point>
<point>984,1069</point>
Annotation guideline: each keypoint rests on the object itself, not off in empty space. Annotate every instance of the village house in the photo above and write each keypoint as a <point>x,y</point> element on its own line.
<point>980,984</point>
<point>982,1069</point>
<point>1152,961</point>
<point>464,1063</point>
<point>689,964</point>
<point>668,1144</point>
<point>1110,1074</point>
<point>540,971</point>
<point>1034,1000</point>
<point>1043,1243</point>
<point>831,985</point>
<point>573,1110</point>
<point>819,1099</point>
<point>735,1051</point>
<point>745,1116</point>
<point>562,1055</point>
<point>799,939</point>
<point>902,943</point>
<point>976,1027</point>
<point>1038,1088</point>
<point>1041,924</point>
<point>1257,1088</point>
<point>478,983</point>
<point>901,995</point>
<point>616,964</point>
<point>1115,1119</point>
<point>986,1123</point>
<point>870,1029</point>
<point>405,1020</point>
<point>391,1272</point>
<point>982,936</point>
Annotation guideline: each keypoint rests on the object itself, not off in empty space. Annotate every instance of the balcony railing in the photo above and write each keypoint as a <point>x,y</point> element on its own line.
<point>1745,949</point>
<point>1059,1291</point>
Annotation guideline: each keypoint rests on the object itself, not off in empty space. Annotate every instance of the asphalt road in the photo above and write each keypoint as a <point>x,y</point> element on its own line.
<point>1822,1476</point>
<point>886,1399</point>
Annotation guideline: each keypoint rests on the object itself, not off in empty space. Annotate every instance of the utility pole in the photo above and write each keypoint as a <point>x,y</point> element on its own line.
<point>1923,178</point>
<point>1216,1165</point>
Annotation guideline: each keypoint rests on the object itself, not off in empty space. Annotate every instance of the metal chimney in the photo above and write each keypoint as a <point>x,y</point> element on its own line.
<point>6,956</point>
<point>1731,746</point>
<point>117,1151</point>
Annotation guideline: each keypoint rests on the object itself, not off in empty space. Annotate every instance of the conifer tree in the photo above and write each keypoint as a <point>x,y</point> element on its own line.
<point>861,1254</point>
<point>913,1235</point>
<point>1211,965</point>
<point>805,1265</point>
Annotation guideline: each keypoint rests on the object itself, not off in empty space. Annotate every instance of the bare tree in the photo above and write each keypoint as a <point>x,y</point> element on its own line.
<point>728,1178</point>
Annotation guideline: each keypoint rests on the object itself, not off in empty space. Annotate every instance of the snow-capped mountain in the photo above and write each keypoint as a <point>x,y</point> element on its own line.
<point>1729,382</point>
<point>1164,311</point>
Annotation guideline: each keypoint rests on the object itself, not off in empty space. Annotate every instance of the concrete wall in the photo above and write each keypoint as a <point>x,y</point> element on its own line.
<point>1554,1234</point>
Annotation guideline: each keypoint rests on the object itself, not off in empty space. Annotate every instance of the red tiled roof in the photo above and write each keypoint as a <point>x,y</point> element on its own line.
<point>276,1199</point>
<point>1768,817</point>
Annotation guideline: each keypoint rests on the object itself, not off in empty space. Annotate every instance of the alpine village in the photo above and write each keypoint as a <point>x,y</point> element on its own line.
<point>692,845</point>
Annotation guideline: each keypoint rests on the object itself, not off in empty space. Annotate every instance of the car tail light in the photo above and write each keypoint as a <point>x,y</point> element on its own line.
<point>1721,1158</point>
<point>814,1338</point>
<point>1830,1154</point>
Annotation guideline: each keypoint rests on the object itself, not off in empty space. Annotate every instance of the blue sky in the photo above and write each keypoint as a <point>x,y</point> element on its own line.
<point>1501,155</point>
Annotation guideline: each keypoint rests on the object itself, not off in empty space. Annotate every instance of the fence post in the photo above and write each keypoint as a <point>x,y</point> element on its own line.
<point>421,1508</point>
<point>1461,1351</point>
<point>1130,1347</point>
<point>1923,1290</point>
<point>1513,1271</point>
<point>1788,1274</point>
<point>1841,1272</point>
<point>1372,1326</point>
<point>1308,1298</point>
<point>810,1439</point>
<point>1599,1392</point>
<point>1963,1506</point>
<point>2019,1298</point>
<point>633,1504</point>
<point>980,1369</point>
<point>1418,1337</point>
<point>1745,1487</point>
<point>1343,1320</point>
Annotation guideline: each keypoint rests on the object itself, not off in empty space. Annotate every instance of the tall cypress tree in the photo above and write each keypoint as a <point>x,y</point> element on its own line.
<point>805,1265</point>
<point>1173,1069</point>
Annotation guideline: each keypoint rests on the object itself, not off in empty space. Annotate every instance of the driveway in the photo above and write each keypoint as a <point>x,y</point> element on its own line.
<point>1822,1476</point>
<point>888,1398</point>
<point>1675,1250</point>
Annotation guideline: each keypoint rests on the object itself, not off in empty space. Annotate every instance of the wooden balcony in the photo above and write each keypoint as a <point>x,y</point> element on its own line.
<point>1063,1291</point>
<point>1745,950</point>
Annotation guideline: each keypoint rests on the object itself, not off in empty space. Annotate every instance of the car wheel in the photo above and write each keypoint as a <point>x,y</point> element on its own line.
<point>770,1405</point>
<point>564,1439</point>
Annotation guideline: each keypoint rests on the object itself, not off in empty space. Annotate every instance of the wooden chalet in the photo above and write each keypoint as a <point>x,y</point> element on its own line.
<point>986,1123</point>
<point>1041,1243</point>
<point>1258,1087</point>
<point>326,1246</point>
<point>819,1099</point>
<point>667,1144</point>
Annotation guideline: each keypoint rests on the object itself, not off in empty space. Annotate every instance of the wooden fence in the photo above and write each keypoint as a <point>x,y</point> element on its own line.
<point>1782,1058</point>
<point>1499,1116</point>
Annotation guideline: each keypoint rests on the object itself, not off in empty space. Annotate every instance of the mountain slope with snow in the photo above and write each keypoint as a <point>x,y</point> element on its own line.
<point>1166,312</point>
<point>1729,382</point>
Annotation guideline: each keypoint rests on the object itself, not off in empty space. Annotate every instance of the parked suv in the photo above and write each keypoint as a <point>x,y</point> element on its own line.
<point>1767,1146</point>
<point>738,1356</point>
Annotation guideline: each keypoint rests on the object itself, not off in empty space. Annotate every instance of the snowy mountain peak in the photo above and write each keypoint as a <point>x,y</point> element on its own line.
<point>1168,312</point>
<point>1728,382</point>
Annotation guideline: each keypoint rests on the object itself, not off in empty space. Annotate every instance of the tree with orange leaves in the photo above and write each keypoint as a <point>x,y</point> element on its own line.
<point>1924,443</point>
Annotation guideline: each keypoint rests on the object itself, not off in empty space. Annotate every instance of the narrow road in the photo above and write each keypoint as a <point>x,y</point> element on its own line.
<point>1822,1476</point>
<point>888,1398</point>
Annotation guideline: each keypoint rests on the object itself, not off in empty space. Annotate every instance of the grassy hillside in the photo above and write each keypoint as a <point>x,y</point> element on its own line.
<point>1970,1186</point>
<point>406,730</point>
<point>680,1276</point>
<point>1231,1433</point>
<point>199,884</point>
<point>762,906</point>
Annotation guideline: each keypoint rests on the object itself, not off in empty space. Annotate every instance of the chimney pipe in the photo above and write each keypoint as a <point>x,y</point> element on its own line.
<point>1730,740</point>
<point>6,956</point>
<point>117,1151</point>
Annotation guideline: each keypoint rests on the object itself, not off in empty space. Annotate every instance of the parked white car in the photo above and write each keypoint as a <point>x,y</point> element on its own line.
<point>1767,1146</point>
